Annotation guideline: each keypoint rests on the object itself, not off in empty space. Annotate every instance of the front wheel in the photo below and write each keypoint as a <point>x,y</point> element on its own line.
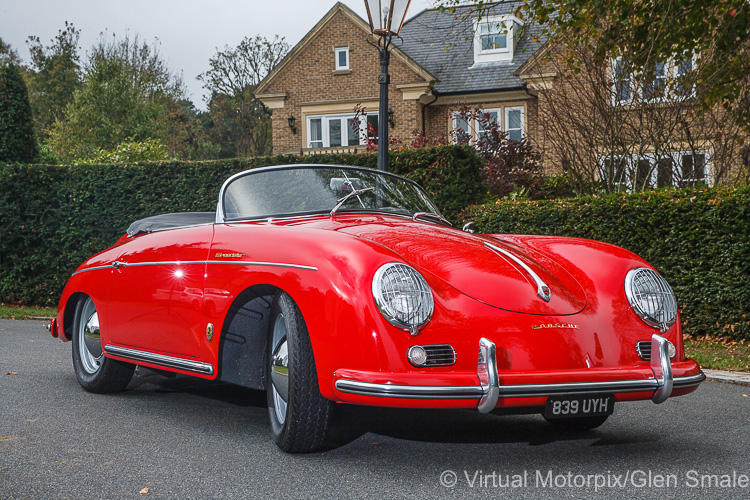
<point>577,424</point>
<point>95,372</point>
<point>299,414</point>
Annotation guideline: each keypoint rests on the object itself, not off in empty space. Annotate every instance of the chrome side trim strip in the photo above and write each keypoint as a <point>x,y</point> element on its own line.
<point>93,269</point>
<point>118,264</point>
<point>508,391</point>
<point>269,264</point>
<point>160,359</point>
<point>541,287</point>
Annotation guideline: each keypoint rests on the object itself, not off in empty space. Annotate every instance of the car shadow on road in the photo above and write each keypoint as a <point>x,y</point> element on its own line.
<point>429,425</point>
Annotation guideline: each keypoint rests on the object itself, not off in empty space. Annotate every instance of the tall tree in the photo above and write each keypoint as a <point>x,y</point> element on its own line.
<point>239,121</point>
<point>54,76</point>
<point>126,93</point>
<point>8,53</point>
<point>17,142</point>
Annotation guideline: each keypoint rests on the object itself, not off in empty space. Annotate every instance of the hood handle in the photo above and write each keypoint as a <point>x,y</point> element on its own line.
<point>541,287</point>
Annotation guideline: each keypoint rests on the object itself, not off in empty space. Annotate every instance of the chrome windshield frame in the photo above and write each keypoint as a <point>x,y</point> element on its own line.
<point>221,213</point>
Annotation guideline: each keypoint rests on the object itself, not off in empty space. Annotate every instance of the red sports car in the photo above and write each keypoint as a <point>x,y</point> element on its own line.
<point>328,284</point>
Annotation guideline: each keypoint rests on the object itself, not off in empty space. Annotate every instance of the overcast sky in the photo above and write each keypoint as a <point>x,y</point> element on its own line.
<point>189,31</point>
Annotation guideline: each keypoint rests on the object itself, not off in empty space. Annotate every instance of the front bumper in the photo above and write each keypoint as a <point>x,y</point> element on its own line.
<point>490,390</point>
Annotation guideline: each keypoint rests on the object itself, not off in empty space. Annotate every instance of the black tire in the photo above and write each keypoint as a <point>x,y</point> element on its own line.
<point>300,423</point>
<point>94,371</point>
<point>577,424</point>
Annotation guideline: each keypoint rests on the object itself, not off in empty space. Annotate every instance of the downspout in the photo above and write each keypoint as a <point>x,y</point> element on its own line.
<point>424,107</point>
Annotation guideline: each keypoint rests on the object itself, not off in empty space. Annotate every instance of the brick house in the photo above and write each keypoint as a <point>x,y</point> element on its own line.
<point>502,66</point>
<point>333,69</point>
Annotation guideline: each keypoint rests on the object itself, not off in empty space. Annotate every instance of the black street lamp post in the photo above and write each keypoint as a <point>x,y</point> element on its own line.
<point>386,19</point>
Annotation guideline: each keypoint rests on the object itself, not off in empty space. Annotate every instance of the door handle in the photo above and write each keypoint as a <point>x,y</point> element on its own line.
<point>117,264</point>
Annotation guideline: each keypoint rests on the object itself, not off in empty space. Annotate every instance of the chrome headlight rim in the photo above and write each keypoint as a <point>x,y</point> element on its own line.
<point>669,307</point>
<point>382,303</point>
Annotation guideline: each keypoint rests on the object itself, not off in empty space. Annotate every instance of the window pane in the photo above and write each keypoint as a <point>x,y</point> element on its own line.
<point>655,81</point>
<point>684,64</point>
<point>664,172</point>
<point>488,118</point>
<point>514,119</point>
<point>316,133</point>
<point>494,41</point>
<point>343,63</point>
<point>352,132</point>
<point>461,129</point>
<point>334,132</point>
<point>513,125</point>
<point>683,68</point>
<point>693,169</point>
<point>372,128</point>
<point>642,174</point>
<point>623,91</point>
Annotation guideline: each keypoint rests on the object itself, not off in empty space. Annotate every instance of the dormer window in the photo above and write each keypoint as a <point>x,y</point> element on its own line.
<point>495,38</point>
<point>342,58</point>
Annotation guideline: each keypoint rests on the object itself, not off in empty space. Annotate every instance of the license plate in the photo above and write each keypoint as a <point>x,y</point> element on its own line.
<point>579,406</point>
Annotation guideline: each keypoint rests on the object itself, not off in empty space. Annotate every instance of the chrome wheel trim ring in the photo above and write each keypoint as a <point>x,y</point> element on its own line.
<point>88,333</point>
<point>279,369</point>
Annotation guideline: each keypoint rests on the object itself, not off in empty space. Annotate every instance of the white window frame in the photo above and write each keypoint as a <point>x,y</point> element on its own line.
<point>671,73</point>
<point>664,77</point>
<point>506,120</point>
<point>336,52</point>
<point>501,114</point>
<point>469,123</point>
<point>627,79</point>
<point>631,165</point>
<point>345,131</point>
<point>506,25</point>
<point>676,74</point>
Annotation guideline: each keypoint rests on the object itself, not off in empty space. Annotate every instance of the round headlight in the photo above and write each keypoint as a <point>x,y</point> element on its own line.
<point>402,296</point>
<point>651,297</point>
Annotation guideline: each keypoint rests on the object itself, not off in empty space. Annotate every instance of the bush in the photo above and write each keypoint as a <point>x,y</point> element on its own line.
<point>54,217</point>
<point>130,151</point>
<point>697,238</point>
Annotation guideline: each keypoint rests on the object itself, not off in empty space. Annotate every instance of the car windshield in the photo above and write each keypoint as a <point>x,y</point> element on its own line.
<point>306,190</point>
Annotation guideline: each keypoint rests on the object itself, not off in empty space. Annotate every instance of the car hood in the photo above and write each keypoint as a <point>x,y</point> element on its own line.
<point>467,263</point>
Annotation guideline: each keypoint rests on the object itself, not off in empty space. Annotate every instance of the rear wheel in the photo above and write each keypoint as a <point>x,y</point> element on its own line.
<point>577,424</point>
<point>299,414</point>
<point>95,372</point>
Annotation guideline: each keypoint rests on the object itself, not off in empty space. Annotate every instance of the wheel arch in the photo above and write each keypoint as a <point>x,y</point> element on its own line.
<point>244,335</point>
<point>70,311</point>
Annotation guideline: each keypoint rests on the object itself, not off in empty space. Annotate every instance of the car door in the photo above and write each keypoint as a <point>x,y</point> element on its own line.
<point>157,291</point>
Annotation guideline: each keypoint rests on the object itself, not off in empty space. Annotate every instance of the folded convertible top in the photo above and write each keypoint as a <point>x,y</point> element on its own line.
<point>170,221</point>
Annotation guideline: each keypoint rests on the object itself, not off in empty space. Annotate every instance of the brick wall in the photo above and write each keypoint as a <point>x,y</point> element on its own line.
<point>311,78</point>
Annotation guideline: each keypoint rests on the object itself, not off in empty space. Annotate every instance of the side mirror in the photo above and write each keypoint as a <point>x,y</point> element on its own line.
<point>469,227</point>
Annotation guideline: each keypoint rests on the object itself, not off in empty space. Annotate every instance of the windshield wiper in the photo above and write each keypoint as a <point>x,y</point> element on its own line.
<point>432,216</point>
<point>355,192</point>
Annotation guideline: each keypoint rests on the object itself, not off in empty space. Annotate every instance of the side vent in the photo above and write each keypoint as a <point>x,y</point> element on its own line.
<point>643,349</point>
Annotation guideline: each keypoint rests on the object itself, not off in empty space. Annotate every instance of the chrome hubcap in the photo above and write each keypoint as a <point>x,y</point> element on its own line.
<point>89,339</point>
<point>279,368</point>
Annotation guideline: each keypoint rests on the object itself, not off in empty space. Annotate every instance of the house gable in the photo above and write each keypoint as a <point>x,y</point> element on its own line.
<point>308,84</point>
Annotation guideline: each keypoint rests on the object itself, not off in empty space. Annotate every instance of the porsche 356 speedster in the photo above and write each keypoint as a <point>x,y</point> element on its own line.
<point>326,284</point>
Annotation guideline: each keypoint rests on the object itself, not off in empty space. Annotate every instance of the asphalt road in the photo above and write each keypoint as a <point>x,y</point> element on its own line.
<point>185,438</point>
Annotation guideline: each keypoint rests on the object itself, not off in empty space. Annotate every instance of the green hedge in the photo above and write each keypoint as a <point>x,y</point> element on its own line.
<point>54,217</point>
<point>698,239</point>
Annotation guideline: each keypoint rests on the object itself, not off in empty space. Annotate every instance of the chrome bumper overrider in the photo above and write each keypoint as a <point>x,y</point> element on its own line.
<point>490,390</point>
